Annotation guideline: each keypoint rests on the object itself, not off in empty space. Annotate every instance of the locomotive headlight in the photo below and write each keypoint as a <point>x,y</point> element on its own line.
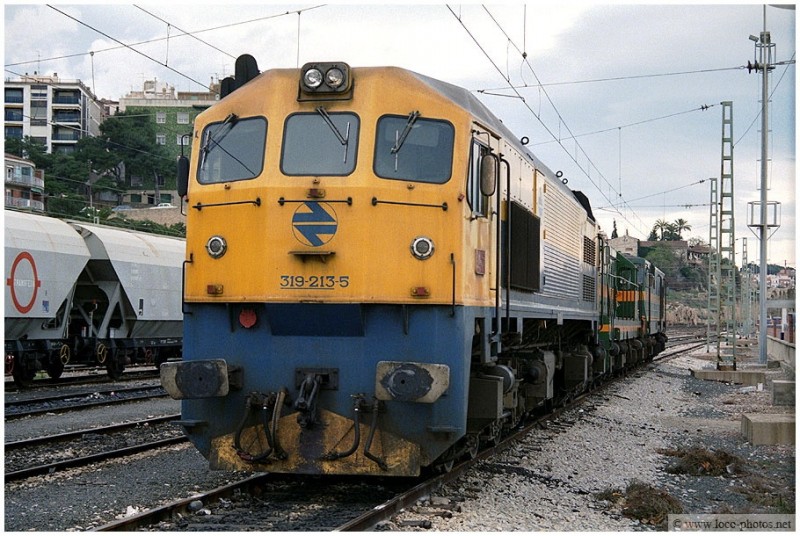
<point>216,246</point>
<point>325,78</point>
<point>312,78</point>
<point>334,77</point>
<point>422,247</point>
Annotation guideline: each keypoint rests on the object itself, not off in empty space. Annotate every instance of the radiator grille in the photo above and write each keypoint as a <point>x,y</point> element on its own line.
<point>589,288</point>
<point>589,251</point>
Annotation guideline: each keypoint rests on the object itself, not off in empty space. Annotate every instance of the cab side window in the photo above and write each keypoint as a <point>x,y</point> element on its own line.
<point>478,202</point>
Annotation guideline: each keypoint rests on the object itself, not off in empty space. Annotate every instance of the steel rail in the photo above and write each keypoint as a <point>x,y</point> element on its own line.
<point>86,460</point>
<point>80,405</point>
<point>384,511</point>
<point>36,441</point>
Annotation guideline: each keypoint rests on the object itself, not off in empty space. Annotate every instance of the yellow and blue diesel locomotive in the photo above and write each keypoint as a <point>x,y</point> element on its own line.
<point>379,277</point>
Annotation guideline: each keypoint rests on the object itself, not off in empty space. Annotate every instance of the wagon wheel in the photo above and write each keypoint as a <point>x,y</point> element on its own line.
<point>473,446</point>
<point>9,363</point>
<point>102,353</point>
<point>64,354</point>
<point>148,356</point>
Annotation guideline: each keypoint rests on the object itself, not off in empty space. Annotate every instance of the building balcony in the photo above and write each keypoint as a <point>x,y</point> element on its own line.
<point>31,182</point>
<point>67,118</point>
<point>66,136</point>
<point>68,101</point>
<point>18,202</point>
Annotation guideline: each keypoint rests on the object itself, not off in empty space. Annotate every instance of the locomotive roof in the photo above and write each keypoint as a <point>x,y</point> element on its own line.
<point>473,105</point>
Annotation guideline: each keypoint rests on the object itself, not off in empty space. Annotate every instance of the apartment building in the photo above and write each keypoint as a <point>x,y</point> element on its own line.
<point>24,184</point>
<point>56,113</point>
<point>171,111</point>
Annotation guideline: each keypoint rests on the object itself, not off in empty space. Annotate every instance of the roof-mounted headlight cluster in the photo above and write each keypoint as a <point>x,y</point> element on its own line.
<point>325,78</point>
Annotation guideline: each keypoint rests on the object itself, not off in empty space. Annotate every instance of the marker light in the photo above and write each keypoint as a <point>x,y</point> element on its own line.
<point>422,247</point>
<point>216,246</point>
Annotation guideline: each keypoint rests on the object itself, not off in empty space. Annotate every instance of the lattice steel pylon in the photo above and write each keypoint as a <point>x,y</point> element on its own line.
<point>712,320</point>
<point>726,268</point>
<point>747,293</point>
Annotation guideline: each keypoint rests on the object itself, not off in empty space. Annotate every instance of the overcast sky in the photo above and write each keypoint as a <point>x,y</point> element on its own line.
<point>627,81</point>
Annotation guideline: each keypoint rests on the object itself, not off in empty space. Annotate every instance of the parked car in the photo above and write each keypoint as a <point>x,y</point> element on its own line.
<point>120,208</point>
<point>164,205</point>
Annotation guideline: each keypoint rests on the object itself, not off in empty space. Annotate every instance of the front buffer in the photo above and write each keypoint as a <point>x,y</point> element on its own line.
<point>323,388</point>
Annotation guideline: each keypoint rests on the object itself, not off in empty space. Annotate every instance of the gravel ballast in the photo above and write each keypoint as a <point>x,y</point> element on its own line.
<point>556,481</point>
<point>570,476</point>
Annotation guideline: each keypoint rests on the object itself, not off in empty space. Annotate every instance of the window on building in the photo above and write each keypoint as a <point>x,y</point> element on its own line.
<point>13,132</point>
<point>14,95</point>
<point>183,118</point>
<point>13,114</point>
<point>181,139</point>
<point>38,91</point>
<point>161,117</point>
<point>161,139</point>
<point>38,113</point>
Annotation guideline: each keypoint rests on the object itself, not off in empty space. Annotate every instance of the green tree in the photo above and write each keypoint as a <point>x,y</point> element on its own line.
<point>661,226</point>
<point>680,226</point>
<point>131,138</point>
<point>670,232</point>
<point>665,259</point>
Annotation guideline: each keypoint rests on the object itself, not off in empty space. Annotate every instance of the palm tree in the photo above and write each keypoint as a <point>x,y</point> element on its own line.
<point>680,226</point>
<point>671,232</point>
<point>661,225</point>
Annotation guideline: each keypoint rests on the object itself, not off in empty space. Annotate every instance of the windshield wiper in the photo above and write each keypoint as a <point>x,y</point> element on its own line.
<point>212,138</point>
<point>344,140</point>
<point>401,139</point>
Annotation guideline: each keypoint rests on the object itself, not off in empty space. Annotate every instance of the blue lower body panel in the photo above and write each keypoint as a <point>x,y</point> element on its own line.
<point>311,382</point>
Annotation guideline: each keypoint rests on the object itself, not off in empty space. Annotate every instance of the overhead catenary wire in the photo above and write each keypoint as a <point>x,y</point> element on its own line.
<point>185,33</point>
<point>156,40</point>
<point>201,84</point>
<point>701,181</point>
<point>616,78</point>
<point>702,108</point>
<point>758,114</point>
<point>590,164</point>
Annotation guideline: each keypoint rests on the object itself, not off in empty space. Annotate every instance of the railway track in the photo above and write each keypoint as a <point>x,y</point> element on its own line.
<point>17,409</point>
<point>244,505</point>
<point>83,379</point>
<point>48,454</point>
